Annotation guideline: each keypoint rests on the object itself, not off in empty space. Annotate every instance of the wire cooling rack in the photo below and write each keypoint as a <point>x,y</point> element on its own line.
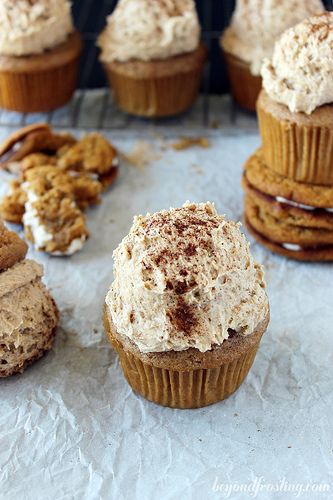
<point>93,108</point>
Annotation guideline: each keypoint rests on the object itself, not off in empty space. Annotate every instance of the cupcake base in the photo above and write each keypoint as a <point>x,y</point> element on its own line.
<point>40,82</point>
<point>187,379</point>
<point>245,87</point>
<point>297,145</point>
<point>157,88</point>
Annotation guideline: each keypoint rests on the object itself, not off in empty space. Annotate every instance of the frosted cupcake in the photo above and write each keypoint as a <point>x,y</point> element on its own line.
<point>152,55</point>
<point>295,109</point>
<point>28,313</point>
<point>254,28</point>
<point>39,54</point>
<point>188,306</point>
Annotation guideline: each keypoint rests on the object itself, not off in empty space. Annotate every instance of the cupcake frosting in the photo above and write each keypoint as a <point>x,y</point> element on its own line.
<point>185,278</point>
<point>25,304</point>
<point>32,26</point>
<point>150,29</point>
<point>300,72</point>
<point>256,24</point>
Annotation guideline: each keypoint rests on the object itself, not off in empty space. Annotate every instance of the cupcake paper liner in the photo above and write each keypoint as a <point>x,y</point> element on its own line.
<point>42,82</point>
<point>301,152</point>
<point>157,88</point>
<point>244,86</point>
<point>183,389</point>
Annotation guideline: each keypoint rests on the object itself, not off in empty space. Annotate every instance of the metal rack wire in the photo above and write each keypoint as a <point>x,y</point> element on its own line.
<point>89,18</point>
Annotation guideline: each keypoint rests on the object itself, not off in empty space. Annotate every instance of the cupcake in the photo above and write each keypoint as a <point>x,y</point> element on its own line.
<point>28,314</point>
<point>152,56</point>
<point>295,109</point>
<point>39,55</point>
<point>254,28</point>
<point>187,308</point>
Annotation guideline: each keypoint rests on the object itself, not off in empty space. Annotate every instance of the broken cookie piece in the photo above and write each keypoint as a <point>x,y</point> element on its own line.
<point>12,205</point>
<point>38,138</point>
<point>83,189</point>
<point>92,154</point>
<point>12,248</point>
<point>53,222</point>
<point>59,178</point>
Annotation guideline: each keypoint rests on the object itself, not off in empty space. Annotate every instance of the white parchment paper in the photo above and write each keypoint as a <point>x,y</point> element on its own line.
<point>71,427</point>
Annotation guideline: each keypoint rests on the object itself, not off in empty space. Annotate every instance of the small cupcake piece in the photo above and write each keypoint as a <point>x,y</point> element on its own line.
<point>28,314</point>
<point>152,56</point>
<point>295,109</point>
<point>188,306</point>
<point>254,28</point>
<point>39,54</point>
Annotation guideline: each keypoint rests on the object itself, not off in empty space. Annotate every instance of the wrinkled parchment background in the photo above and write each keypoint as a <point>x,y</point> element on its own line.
<point>71,428</point>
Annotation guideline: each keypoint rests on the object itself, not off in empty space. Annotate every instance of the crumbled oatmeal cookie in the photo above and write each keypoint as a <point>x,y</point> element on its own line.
<point>93,154</point>
<point>83,189</point>
<point>59,178</point>
<point>55,224</point>
<point>12,205</point>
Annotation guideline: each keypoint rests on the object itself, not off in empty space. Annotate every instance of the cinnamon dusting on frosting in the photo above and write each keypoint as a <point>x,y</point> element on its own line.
<point>33,26</point>
<point>150,29</point>
<point>185,278</point>
<point>300,72</point>
<point>257,24</point>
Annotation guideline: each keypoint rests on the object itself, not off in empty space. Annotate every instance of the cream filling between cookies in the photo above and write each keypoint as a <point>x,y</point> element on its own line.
<point>292,247</point>
<point>39,232</point>
<point>280,199</point>
<point>31,219</point>
<point>75,246</point>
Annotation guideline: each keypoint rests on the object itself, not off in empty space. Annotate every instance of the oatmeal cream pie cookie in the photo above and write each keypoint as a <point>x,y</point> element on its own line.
<point>83,189</point>
<point>28,314</point>
<point>93,155</point>
<point>38,139</point>
<point>53,222</point>
<point>291,218</point>
<point>188,306</point>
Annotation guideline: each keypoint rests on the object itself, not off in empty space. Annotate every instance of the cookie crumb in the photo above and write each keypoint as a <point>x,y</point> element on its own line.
<point>142,155</point>
<point>187,142</point>
<point>196,169</point>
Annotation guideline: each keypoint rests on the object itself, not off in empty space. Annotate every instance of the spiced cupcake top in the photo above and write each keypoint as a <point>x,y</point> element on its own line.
<point>33,26</point>
<point>185,278</point>
<point>256,24</point>
<point>150,29</point>
<point>300,72</point>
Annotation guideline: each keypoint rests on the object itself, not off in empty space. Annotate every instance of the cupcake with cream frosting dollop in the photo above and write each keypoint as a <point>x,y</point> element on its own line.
<point>288,182</point>
<point>255,26</point>
<point>188,304</point>
<point>39,53</point>
<point>152,55</point>
<point>295,107</point>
